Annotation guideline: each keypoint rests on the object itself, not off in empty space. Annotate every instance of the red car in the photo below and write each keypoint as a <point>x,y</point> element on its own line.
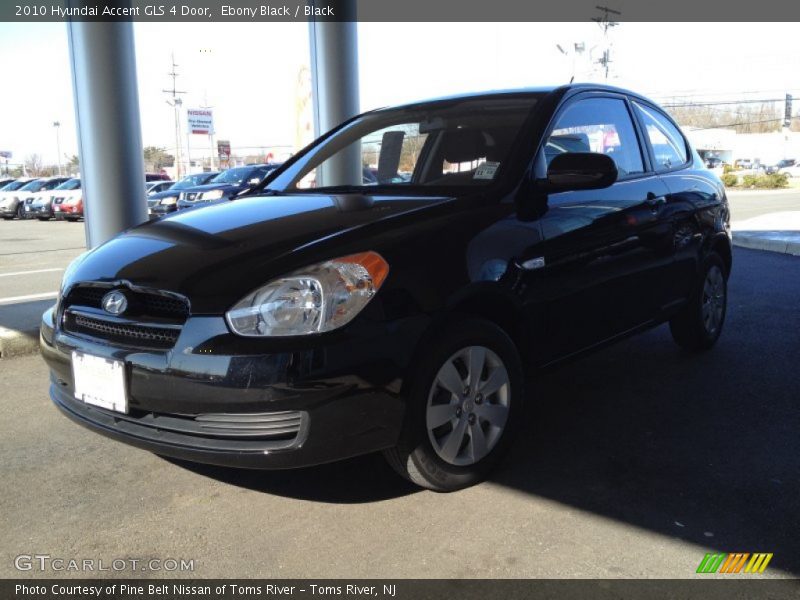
<point>162,176</point>
<point>68,201</point>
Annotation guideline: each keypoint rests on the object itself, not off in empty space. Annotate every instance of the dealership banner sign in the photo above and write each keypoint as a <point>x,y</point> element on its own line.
<point>201,121</point>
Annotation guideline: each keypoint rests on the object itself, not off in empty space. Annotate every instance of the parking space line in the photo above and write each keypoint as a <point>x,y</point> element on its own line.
<point>14,274</point>
<point>15,299</point>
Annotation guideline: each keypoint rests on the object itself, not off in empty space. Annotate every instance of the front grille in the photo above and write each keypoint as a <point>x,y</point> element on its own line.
<point>128,334</point>
<point>141,303</point>
<point>260,431</point>
<point>283,426</point>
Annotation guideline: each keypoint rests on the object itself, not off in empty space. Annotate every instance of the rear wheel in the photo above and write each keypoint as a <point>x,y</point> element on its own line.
<point>463,407</point>
<point>43,218</point>
<point>698,326</point>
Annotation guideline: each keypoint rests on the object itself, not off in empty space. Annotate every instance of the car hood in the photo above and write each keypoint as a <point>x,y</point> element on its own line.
<point>166,194</point>
<point>216,255</point>
<point>214,186</point>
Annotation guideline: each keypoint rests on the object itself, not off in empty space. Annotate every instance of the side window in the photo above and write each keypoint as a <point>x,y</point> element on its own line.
<point>669,146</point>
<point>597,125</point>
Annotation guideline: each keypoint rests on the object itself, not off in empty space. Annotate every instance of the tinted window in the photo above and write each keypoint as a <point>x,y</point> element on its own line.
<point>597,125</point>
<point>460,142</point>
<point>668,144</point>
<point>52,184</point>
<point>14,185</point>
<point>235,175</point>
<point>70,184</point>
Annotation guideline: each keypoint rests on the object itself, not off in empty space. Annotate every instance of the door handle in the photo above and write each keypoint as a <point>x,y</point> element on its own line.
<point>654,201</point>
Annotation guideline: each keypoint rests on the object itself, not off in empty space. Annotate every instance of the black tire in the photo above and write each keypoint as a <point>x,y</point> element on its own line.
<point>43,218</point>
<point>692,329</point>
<point>415,457</point>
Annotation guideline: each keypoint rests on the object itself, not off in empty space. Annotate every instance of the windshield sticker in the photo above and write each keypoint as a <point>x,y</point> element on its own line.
<point>486,170</point>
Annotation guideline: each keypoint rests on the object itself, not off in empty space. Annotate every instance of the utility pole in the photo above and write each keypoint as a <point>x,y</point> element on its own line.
<point>578,48</point>
<point>605,23</point>
<point>57,125</point>
<point>175,103</point>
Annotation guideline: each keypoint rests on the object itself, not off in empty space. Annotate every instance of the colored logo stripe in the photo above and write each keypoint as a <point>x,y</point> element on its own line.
<point>733,562</point>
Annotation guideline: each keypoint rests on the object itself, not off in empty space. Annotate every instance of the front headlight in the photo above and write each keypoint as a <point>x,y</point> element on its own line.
<point>169,200</point>
<point>212,195</point>
<point>315,299</point>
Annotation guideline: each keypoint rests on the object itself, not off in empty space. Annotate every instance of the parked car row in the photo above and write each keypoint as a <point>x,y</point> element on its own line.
<point>208,188</point>
<point>45,198</point>
<point>28,198</point>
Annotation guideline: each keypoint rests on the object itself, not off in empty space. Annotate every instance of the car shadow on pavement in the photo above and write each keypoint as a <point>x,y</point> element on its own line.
<point>703,448</point>
<point>357,480</point>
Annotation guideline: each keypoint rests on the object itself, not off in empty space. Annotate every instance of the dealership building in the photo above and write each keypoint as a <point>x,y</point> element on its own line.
<point>727,144</point>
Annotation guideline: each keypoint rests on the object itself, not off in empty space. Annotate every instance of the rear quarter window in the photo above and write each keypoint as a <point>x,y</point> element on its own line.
<point>670,149</point>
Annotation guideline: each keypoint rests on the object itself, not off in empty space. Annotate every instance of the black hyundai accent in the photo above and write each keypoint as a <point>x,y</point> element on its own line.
<point>323,318</point>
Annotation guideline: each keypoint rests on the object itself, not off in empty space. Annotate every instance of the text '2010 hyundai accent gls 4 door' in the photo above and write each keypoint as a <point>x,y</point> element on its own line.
<point>325,317</point>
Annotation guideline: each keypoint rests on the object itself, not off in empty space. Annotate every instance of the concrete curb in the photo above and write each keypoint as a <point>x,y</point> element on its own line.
<point>18,343</point>
<point>759,241</point>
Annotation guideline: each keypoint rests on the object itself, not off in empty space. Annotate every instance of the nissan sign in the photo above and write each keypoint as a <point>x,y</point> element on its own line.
<point>201,121</point>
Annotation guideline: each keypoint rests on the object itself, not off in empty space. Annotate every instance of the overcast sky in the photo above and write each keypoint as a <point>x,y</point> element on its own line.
<point>248,71</point>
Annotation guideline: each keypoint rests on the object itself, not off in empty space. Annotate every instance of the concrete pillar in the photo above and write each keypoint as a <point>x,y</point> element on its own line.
<point>334,81</point>
<point>106,98</point>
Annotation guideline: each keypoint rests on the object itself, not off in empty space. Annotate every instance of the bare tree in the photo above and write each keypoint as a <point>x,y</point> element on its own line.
<point>764,118</point>
<point>33,165</point>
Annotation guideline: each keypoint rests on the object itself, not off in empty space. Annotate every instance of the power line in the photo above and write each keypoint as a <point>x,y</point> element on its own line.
<point>725,102</point>
<point>741,124</point>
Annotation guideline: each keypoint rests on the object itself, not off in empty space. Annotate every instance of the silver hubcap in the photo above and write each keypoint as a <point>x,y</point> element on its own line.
<point>713,299</point>
<point>468,405</point>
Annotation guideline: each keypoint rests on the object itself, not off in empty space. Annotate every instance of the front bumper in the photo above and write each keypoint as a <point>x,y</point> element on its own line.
<point>37,212</point>
<point>344,396</point>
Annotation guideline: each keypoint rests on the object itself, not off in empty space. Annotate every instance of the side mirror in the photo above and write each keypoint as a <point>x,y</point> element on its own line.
<point>574,171</point>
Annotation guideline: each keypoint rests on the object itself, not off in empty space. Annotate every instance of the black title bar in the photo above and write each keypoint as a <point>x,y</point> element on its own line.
<point>706,587</point>
<point>211,11</point>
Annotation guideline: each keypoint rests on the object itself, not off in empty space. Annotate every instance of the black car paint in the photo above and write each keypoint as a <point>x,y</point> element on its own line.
<point>562,274</point>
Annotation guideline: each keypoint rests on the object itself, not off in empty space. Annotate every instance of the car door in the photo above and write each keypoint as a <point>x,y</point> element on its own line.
<point>596,271</point>
<point>692,197</point>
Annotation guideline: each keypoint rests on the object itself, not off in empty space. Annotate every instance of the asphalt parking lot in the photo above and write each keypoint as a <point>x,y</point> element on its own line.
<point>635,462</point>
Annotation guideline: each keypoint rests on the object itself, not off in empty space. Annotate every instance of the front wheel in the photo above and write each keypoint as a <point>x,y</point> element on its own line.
<point>699,324</point>
<point>464,404</point>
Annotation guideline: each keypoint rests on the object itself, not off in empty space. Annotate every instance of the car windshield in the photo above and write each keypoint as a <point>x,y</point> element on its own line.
<point>14,185</point>
<point>70,184</point>
<point>51,185</point>
<point>32,186</point>
<point>190,181</point>
<point>452,143</point>
<point>235,175</point>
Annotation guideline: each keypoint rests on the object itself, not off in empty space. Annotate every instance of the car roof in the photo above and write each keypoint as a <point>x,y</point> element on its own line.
<point>532,91</point>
